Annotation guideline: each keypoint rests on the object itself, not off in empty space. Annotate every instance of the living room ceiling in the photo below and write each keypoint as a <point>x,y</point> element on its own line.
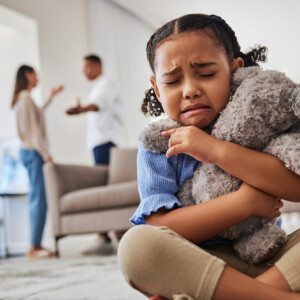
<point>157,12</point>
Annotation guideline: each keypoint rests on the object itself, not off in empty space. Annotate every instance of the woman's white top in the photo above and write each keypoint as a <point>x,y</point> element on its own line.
<point>31,124</point>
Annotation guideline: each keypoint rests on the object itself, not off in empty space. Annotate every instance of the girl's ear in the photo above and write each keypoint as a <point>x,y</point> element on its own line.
<point>154,85</point>
<point>237,63</point>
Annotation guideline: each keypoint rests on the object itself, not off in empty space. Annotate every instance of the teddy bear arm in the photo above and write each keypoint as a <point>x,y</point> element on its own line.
<point>184,194</point>
<point>286,147</point>
<point>261,244</point>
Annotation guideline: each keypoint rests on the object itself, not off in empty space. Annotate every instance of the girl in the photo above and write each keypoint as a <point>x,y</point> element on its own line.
<point>193,59</point>
<point>34,152</point>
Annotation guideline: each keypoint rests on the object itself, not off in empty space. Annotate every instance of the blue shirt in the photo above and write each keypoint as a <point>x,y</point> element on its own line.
<point>159,180</point>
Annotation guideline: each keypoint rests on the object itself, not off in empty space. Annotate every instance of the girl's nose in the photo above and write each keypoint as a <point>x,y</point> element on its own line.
<point>191,90</point>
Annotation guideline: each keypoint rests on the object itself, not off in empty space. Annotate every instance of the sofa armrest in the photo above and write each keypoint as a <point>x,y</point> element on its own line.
<point>290,207</point>
<point>68,178</point>
<point>61,179</point>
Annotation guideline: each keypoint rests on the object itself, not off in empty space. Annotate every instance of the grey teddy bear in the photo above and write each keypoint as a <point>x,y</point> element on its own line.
<point>263,114</point>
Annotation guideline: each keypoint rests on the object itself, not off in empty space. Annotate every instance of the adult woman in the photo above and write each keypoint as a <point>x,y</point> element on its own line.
<point>34,152</point>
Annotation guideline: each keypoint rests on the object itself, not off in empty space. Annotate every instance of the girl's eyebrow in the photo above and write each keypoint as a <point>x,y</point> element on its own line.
<point>202,65</point>
<point>173,71</point>
<point>193,65</point>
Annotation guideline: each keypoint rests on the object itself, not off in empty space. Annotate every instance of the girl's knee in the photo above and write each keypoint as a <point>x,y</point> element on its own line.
<point>139,253</point>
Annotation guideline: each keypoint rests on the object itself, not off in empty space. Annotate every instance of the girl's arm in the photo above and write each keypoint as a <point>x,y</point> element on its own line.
<point>263,171</point>
<point>260,170</point>
<point>199,222</point>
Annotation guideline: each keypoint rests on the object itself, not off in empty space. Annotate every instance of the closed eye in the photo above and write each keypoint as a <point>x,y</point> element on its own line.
<point>172,82</point>
<point>207,75</point>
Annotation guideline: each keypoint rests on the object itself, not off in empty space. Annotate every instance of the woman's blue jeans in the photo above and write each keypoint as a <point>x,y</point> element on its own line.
<point>33,163</point>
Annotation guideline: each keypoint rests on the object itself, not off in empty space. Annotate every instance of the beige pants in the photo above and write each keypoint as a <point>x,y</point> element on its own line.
<point>157,261</point>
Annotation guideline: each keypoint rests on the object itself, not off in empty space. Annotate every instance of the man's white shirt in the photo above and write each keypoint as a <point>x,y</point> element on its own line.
<point>106,124</point>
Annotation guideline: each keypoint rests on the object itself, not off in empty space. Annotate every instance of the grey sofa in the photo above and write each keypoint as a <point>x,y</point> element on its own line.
<point>85,199</point>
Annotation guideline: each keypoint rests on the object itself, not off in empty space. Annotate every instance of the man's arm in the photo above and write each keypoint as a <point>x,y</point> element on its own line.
<point>78,109</point>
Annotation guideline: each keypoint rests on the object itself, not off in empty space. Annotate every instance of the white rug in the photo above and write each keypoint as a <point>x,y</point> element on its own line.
<point>83,278</point>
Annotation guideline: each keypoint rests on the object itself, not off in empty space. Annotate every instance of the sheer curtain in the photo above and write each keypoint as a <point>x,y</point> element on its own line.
<point>120,38</point>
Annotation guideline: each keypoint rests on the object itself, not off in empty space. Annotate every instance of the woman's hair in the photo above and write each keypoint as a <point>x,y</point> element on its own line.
<point>220,32</point>
<point>21,82</point>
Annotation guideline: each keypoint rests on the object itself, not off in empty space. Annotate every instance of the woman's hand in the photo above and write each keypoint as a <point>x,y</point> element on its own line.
<point>260,203</point>
<point>192,141</point>
<point>56,90</point>
<point>53,92</point>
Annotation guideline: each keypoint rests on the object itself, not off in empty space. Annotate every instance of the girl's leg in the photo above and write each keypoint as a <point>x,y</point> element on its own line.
<point>286,272</point>
<point>157,261</point>
<point>266,271</point>
<point>234,285</point>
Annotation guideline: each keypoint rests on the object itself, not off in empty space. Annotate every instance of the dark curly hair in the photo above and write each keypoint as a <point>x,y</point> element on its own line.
<point>218,29</point>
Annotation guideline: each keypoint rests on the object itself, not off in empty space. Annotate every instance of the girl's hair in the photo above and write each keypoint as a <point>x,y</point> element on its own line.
<point>217,28</point>
<point>21,82</point>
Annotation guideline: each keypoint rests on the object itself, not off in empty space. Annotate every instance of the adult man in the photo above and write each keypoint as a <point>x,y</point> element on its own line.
<point>104,125</point>
<point>103,108</point>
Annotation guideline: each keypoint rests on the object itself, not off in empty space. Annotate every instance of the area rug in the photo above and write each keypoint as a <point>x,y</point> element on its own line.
<point>84,278</point>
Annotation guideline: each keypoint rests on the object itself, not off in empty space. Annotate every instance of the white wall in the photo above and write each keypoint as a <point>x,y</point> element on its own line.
<point>271,23</point>
<point>19,44</point>
<point>64,39</point>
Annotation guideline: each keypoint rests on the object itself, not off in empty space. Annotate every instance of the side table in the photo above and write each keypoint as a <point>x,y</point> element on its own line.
<point>4,198</point>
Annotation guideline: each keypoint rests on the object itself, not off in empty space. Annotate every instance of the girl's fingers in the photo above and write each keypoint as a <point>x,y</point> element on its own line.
<point>175,140</point>
<point>168,132</point>
<point>175,150</point>
<point>278,204</point>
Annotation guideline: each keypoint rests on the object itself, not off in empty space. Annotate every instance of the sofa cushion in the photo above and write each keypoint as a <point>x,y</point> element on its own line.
<point>102,197</point>
<point>122,165</point>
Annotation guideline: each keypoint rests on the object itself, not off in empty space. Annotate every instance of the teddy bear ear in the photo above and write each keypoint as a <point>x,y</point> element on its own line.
<point>295,101</point>
<point>242,73</point>
<point>151,138</point>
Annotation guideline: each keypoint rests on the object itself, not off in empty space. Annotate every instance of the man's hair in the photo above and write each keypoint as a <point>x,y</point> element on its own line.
<point>94,58</point>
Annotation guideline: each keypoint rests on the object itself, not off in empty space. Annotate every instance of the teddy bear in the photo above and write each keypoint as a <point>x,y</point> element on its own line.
<point>263,114</point>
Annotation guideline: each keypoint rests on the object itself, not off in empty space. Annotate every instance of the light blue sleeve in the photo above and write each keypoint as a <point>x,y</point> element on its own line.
<point>157,184</point>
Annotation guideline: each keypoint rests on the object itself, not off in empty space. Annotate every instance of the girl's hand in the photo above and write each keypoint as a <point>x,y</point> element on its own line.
<point>260,203</point>
<point>192,141</point>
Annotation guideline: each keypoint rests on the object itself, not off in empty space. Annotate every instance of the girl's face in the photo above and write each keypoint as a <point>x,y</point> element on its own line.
<point>192,78</point>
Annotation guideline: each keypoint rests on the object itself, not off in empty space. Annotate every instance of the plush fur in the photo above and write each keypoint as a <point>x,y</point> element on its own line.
<point>263,114</point>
